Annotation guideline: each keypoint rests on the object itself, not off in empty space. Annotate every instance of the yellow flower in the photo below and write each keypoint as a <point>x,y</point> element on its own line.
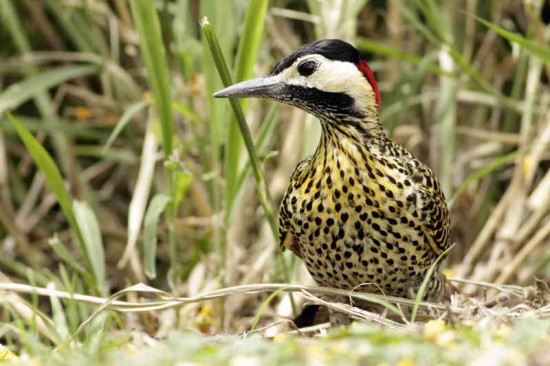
<point>502,331</point>
<point>405,362</point>
<point>433,328</point>
<point>448,273</point>
<point>279,338</point>
<point>435,331</point>
<point>82,113</point>
<point>6,354</point>
<point>204,319</point>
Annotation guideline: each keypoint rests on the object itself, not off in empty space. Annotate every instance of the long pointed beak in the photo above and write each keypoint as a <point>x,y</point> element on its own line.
<point>265,87</point>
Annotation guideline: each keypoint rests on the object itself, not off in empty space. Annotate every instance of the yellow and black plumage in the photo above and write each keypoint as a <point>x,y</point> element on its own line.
<point>362,211</point>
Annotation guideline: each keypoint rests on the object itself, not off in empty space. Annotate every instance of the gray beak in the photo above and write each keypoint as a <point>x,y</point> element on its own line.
<point>259,88</point>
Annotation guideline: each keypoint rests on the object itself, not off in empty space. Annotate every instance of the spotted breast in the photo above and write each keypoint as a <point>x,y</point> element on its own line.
<point>365,213</point>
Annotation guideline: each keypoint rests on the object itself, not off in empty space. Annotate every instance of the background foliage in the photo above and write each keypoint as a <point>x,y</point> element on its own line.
<point>116,167</point>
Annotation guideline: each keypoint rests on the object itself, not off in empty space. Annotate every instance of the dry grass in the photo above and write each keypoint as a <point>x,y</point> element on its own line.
<point>179,211</point>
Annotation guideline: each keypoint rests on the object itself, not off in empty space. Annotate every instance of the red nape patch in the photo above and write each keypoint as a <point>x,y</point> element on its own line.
<point>365,69</point>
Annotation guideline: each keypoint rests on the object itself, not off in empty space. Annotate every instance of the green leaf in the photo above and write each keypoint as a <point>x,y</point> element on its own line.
<point>183,181</point>
<point>482,172</point>
<point>124,120</point>
<point>59,319</point>
<point>59,249</point>
<point>261,185</point>
<point>156,208</point>
<point>382,49</point>
<point>263,306</point>
<point>55,181</point>
<point>91,233</point>
<point>244,67</point>
<point>154,54</point>
<point>54,125</point>
<point>225,76</point>
<point>532,47</point>
<point>18,93</point>
<point>424,285</point>
<point>187,112</point>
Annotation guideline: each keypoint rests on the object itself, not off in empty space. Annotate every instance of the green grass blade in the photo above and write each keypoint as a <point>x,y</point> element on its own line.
<point>187,112</point>
<point>243,126</point>
<point>424,285</point>
<point>54,125</point>
<point>482,172</point>
<point>156,208</point>
<point>412,16</point>
<point>216,11</point>
<point>59,319</point>
<point>244,68</point>
<point>124,120</point>
<point>55,181</point>
<point>93,243</point>
<point>261,185</point>
<point>59,249</point>
<point>264,136</point>
<point>384,50</point>
<point>533,48</point>
<point>264,304</point>
<point>154,54</point>
<point>182,182</point>
<point>79,40</point>
<point>250,40</point>
<point>18,93</point>
<point>11,23</point>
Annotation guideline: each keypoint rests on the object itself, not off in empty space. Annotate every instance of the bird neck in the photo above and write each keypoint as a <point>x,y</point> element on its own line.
<point>361,127</point>
<point>351,137</point>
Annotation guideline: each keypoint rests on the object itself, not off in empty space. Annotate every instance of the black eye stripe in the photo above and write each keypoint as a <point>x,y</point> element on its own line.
<point>307,68</point>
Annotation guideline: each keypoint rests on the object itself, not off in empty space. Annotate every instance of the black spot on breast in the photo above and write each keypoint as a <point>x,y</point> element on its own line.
<point>344,217</point>
<point>417,178</point>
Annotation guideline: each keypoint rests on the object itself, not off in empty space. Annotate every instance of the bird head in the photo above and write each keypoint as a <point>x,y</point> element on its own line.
<point>327,78</point>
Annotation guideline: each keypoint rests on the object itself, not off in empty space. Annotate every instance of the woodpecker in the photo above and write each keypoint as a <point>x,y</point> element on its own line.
<point>363,213</point>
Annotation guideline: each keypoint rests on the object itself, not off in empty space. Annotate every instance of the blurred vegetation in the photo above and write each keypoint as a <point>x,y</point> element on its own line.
<point>117,167</point>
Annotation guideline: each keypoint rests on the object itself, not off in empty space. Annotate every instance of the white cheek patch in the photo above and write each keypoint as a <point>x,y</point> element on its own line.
<point>330,76</point>
<point>338,77</point>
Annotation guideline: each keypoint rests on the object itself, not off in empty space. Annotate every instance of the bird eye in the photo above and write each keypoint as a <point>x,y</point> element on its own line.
<point>307,68</point>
